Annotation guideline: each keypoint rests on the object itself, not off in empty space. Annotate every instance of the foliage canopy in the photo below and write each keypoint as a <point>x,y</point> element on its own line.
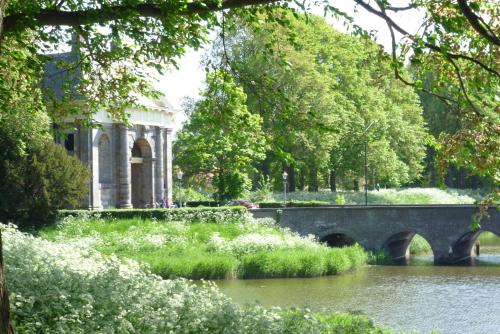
<point>221,137</point>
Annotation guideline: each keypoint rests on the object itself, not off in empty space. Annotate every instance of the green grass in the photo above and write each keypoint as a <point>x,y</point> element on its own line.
<point>387,196</point>
<point>243,249</point>
<point>419,246</point>
<point>489,239</point>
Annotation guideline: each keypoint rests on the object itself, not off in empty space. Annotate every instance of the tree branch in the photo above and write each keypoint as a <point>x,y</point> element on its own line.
<point>399,9</point>
<point>444,99</point>
<point>430,46</point>
<point>475,22</point>
<point>51,17</point>
<point>462,85</point>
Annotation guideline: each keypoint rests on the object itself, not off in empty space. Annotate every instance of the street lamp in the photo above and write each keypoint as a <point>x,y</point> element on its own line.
<point>285,176</point>
<point>366,160</point>
<point>180,174</point>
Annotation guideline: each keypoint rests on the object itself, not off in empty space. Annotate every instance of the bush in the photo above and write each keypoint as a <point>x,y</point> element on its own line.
<point>204,215</point>
<point>301,262</point>
<point>294,204</point>
<point>70,288</point>
<point>38,182</point>
<point>193,265</point>
<point>338,262</point>
<point>194,204</point>
<point>188,195</point>
<point>264,192</point>
<point>340,199</point>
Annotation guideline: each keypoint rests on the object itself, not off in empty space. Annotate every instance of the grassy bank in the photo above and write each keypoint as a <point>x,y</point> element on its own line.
<point>419,246</point>
<point>384,196</point>
<point>245,248</point>
<point>71,288</point>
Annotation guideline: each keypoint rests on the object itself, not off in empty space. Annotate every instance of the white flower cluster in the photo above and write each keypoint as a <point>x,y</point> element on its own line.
<point>208,216</point>
<point>134,239</point>
<point>256,242</point>
<point>70,288</point>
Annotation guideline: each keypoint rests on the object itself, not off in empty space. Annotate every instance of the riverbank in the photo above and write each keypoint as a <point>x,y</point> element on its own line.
<point>242,248</point>
<point>71,288</point>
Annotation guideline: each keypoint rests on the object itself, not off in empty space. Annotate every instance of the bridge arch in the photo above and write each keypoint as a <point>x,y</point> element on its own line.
<point>397,246</point>
<point>465,249</point>
<point>338,240</point>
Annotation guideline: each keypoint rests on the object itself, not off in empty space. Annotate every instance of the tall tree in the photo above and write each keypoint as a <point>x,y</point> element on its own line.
<point>221,137</point>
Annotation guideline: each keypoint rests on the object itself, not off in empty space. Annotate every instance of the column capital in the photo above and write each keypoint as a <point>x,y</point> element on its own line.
<point>169,131</point>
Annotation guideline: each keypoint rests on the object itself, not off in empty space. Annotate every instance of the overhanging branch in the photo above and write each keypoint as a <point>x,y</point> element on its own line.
<point>428,45</point>
<point>446,100</point>
<point>53,17</point>
<point>475,22</point>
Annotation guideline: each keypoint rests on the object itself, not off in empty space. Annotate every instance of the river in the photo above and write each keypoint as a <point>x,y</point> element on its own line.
<point>402,298</point>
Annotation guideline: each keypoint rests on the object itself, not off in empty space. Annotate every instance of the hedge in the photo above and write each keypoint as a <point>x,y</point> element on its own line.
<point>294,204</point>
<point>208,215</point>
<point>193,204</point>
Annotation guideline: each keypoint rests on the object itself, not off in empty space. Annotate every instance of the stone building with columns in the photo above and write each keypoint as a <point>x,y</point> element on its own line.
<point>130,165</point>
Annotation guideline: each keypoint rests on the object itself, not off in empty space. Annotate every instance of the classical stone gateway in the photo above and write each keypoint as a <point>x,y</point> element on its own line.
<point>130,166</point>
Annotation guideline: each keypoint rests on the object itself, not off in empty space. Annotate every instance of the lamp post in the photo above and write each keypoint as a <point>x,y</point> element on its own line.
<point>180,174</point>
<point>366,161</point>
<point>285,176</point>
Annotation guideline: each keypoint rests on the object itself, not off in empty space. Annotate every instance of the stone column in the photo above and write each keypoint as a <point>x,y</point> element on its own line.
<point>167,164</point>
<point>158,165</point>
<point>124,168</point>
<point>84,158</point>
<point>95,198</point>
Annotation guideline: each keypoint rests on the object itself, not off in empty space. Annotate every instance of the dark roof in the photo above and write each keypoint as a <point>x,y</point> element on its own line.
<point>62,71</point>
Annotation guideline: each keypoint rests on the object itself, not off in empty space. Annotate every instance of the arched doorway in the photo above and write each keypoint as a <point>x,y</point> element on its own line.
<point>142,174</point>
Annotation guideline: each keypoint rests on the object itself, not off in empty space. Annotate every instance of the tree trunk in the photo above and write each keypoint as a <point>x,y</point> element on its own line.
<point>302,180</point>
<point>291,178</point>
<point>355,185</point>
<point>5,324</point>
<point>313,179</point>
<point>333,180</point>
<point>265,166</point>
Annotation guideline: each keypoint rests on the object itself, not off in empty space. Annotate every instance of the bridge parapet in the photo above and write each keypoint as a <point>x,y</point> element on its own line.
<point>447,228</point>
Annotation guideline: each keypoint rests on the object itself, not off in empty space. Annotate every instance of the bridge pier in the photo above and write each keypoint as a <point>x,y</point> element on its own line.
<point>398,247</point>
<point>466,249</point>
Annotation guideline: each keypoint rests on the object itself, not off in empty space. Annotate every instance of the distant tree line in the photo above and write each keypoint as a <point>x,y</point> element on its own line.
<point>315,93</point>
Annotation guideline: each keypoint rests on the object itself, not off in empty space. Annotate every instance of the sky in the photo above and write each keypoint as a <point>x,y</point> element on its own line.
<point>187,80</point>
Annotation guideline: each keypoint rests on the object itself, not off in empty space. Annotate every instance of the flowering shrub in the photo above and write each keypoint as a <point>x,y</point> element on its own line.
<point>71,288</point>
<point>256,242</point>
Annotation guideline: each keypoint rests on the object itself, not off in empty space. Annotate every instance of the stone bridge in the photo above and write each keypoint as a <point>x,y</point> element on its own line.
<point>447,228</point>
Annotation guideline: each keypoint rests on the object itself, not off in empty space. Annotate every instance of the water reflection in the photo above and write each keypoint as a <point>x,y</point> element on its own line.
<point>421,297</point>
